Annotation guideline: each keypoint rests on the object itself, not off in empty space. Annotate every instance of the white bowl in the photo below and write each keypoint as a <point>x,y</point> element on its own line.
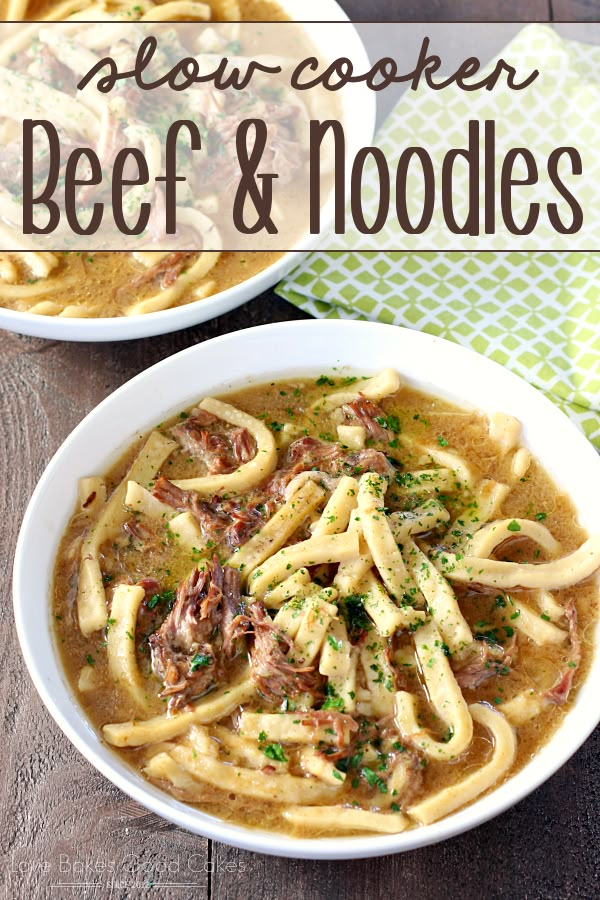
<point>255,356</point>
<point>358,105</point>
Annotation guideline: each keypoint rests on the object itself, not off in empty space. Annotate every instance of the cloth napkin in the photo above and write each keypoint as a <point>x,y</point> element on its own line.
<point>537,313</point>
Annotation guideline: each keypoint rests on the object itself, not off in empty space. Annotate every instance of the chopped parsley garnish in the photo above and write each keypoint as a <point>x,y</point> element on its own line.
<point>513,526</point>
<point>390,423</point>
<point>200,661</point>
<point>166,597</point>
<point>275,751</point>
<point>373,779</point>
<point>333,703</point>
<point>334,642</point>
<point>353,611</point>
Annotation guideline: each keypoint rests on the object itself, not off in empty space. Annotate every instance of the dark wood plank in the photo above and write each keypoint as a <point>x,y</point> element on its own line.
<point>450,10</point>
<point>575,10</point>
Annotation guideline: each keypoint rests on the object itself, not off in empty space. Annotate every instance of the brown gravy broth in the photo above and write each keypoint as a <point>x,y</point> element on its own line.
<point>252,10</point>
<point>103,282</point>
<point>110,283</point>
<point>420,417</point>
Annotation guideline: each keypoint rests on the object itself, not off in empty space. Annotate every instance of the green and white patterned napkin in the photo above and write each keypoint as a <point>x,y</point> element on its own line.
<point>536,313</point>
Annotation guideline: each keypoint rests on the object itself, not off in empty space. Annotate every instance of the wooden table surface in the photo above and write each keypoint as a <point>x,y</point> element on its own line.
<point>67,832</point>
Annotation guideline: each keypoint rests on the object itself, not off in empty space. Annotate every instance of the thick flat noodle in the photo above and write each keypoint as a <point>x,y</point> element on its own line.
<point>445,697</point>
<point>315,551</point>
<point>424,518</point>
<point>485,504</point>
<point>247,475</point>
<point>162,767</point>
<point>387,616</point>
<point>276,532</point>
<point>336,515</point>
<point>91,597</point>
<point>251,783</point>
<point>376,388</point>
<point>345,818</point>
<point>379,537</point>
<point>550,576</point>
<point>211,708</point>
<point>120,648</point>
<point>293,728</point>
<point>351,572</point>
<point>441,599</point>
<point>451,798</point>
<point>30,98</point>
<point>484,542</point>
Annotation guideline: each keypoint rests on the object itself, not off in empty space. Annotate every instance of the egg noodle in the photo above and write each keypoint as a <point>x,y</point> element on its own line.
<point>320,649</point>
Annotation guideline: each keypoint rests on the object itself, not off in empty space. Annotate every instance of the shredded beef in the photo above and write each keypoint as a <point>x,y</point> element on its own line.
<point>232,520</point>
<point>165,272</point>
<point>137,530</point>
<point>212,525</point>
<point>491,660</point>
<point>367,414</point>
<point>327,458</point>
<point>234,621</point>
<point>221,453</point>
<point>559,692</point>
<point>183,652</point>
<point>275,666</point>
<point>311,453</point>
<point>368,460</point>
<point>243,445</point>
<point>329,718</point>
<point>151,586</point>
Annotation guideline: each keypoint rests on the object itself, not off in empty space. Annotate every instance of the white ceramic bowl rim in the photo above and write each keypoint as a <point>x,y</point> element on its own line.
<point>229,361</point>
<point>359,121</point>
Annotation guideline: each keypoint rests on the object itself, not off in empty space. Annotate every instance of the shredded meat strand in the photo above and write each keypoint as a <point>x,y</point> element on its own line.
<point>559,692</point>
<point>165,272</point>
<point>234,623</point>
<point>243,445</point>
<point>329,718</point>
<point>212,525</point>
<point>221,453</point>
<point>183,652</point>
<point>310,454</point>
<point>271,655</point>
<point>491,661</point>
<point>367,413</point>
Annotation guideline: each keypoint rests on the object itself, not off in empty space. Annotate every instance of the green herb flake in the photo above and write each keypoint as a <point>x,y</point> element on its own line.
<point>275,751</point>
<point>200,661</point>
<point>373,779</point>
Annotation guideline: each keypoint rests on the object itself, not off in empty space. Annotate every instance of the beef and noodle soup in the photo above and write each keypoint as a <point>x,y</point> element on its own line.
<point>326,606</point>
<point>138,281</point>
